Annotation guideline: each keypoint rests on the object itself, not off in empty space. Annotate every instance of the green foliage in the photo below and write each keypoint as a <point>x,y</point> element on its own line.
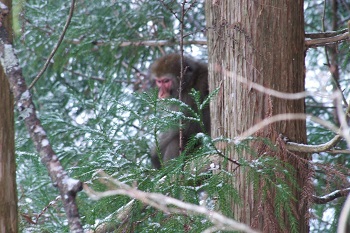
<point>330,169</point>
<point>97,106</point>
<point>280,177</point>
<point>93,105</point>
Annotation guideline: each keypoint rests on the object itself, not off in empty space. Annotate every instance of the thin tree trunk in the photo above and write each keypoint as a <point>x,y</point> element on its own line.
<point>8,193</point>
<point>261,41</point>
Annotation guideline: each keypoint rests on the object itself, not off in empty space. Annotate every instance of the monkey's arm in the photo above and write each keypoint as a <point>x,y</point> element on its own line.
<point>168,148</point>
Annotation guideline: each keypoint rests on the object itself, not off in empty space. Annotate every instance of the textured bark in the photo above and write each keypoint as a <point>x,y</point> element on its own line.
<point>8,193</point>
<point>263,42</point>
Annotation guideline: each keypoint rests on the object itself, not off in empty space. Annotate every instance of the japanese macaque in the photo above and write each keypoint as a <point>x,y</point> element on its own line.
<point>166,73</point>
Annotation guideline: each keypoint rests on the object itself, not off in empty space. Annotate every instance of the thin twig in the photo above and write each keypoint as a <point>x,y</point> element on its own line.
<point>283,117</point>
<point>182,70</point>
<point>261,88</point>
<point>155,43</point>
<point>70,15</point>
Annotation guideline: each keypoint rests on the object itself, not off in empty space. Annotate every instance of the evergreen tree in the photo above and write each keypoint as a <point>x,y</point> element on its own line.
<point>101,113</point>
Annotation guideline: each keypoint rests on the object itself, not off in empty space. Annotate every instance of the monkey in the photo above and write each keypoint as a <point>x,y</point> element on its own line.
<point>166,73</point>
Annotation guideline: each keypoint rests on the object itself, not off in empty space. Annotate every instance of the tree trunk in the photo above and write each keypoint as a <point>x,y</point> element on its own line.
<point>8,194</point>
<point>261,41</point>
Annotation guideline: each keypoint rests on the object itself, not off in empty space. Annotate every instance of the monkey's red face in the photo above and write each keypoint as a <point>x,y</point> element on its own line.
<point>165,86</point>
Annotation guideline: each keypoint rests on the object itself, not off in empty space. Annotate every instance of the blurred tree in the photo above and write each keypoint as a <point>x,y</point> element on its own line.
<point>251,44</point>
<point>8,193</point>
<point>327,69</point>
<point>100,112</point>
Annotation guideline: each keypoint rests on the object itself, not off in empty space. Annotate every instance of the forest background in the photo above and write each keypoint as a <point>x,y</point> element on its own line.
<point>97,105</point>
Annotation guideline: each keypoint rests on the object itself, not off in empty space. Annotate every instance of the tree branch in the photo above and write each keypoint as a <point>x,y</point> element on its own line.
<point>151,43</point>
<point>292,146</point>
<point>316,40</point>
<point>318,35</point>
<point>326,41</point>
<point>338,151</point>
<point>325,38</point>
<point>67,186</point>
<point>70,15</point>
<point>168,205</point>
<point>331,196</point>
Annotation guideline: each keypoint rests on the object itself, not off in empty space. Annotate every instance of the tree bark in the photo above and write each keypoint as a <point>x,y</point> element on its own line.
<point>260,42</point>
<point>8,193</point>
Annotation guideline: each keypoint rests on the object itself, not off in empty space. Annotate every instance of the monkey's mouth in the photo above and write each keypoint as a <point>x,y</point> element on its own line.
<point>163,94</point>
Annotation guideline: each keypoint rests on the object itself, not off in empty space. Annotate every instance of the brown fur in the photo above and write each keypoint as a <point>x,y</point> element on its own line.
<point>195,76</point>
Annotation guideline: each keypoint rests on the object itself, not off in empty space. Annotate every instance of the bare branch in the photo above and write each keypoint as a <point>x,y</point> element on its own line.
<point>155,43</point>
<point>169,205</point>
<point>317,39</point>
<point>283,95</point>
<point>326,146</point>
<point>317,35</point>
<point>151,43</point>
<point>292,146</point>
<point>283,117</point>
<point>337,95</point>
<point>337,151</point>
<point>70,15</point>
<point>331,196</point>
<point>326,41</point>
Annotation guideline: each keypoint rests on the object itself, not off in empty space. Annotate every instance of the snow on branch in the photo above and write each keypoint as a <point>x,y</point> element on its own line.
<point>67,186</point>
<point>331,196</point>
<point>169,205</point>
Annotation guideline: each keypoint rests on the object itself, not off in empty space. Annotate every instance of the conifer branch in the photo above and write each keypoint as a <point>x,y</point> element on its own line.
<point>67,186</point>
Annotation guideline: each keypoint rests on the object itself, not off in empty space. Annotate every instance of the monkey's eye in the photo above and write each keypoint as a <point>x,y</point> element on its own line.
<point>162,81</point>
